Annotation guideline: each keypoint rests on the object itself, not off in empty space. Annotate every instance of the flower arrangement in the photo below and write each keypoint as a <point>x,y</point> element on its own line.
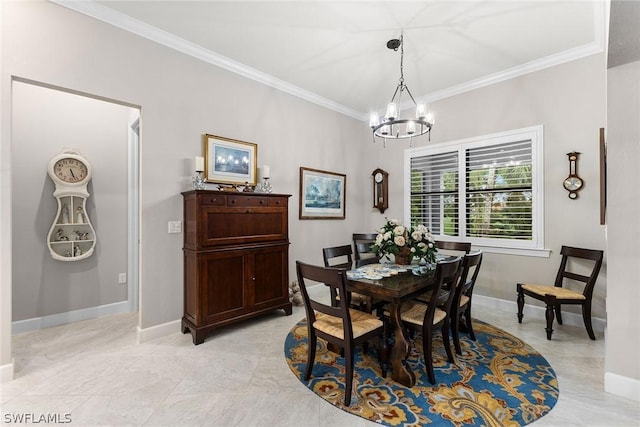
<point>405,243</point>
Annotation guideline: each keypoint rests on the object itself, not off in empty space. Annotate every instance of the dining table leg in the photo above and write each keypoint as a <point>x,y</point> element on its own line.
<point>400,372</point>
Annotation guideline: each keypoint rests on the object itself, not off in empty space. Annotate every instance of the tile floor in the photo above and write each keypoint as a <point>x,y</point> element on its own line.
<point>96,373</point>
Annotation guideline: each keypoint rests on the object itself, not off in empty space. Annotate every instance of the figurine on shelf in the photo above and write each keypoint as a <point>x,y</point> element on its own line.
<point>79,215</point>
<point>60,236</point>
<point>81,235</point>
<point>248,188</point>
<point>65,214</point>
<point>77,251</point>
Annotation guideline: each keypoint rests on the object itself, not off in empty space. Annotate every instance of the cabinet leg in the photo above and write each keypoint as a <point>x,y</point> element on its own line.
<point>288,310</point>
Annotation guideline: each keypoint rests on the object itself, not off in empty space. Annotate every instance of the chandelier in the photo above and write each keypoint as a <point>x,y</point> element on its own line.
<point>392,126</point>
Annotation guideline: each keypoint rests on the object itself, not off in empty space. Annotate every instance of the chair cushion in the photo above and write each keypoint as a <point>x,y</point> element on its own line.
<point>413,312</point>
<point>361,323</point>
<point>561,293</point>
<point>464,300</point>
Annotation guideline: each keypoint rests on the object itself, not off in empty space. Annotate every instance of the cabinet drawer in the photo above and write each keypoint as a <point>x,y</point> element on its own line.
<point>247,201</point>
<point>212,200</point>
<point>278,201</point>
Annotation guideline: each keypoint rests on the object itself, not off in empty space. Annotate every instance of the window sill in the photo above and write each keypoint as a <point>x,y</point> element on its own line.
<point>539,253</point>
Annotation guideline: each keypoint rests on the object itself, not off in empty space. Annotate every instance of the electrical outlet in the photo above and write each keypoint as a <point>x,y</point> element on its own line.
<point>122,278</point>
<point>175,226</point>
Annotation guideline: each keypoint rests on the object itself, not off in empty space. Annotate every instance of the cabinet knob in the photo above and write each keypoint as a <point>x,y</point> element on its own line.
<point>253,278</point>
<point>261,202</point>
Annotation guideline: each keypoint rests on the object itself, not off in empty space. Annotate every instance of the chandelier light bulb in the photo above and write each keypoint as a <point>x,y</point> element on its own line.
<point>374,119</point>
<point>411,127</point>
<point>384,130</point>
<point>421,111</point>
<point>392,111</point>
<point>429,118</point>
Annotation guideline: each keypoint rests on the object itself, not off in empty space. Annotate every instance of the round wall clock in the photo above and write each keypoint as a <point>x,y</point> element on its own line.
<point>573,183</point>
<point>71,236</point>
<point>380,189</point>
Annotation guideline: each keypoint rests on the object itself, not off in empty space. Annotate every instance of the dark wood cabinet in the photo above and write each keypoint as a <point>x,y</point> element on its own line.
<point>236,258</point>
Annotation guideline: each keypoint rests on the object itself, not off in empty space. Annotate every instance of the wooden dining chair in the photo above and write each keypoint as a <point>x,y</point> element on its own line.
<point>341,257</point>
<point>425,318</point>
<point>451,248</point>
<point>461,306</point>
<point>341,326</point>
<point>363,255</point>
<point>556,295</point>
<point>455,247</point>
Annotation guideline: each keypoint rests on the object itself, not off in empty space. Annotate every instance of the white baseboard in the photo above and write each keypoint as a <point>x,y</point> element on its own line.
<point>6,372</point>
<point>572,319</point>
<point>626,387</point>
<point>158,331</point>
<point>36,323</point>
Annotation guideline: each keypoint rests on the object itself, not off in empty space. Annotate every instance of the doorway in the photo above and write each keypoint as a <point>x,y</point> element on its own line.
<point>46,120</point>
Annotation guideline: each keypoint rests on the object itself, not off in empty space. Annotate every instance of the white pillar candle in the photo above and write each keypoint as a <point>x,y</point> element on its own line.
<point>266,172</point>
<point>199,164</point>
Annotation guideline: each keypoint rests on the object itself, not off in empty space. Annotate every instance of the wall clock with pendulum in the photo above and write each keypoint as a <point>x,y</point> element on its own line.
<point>380,189</point>
<point>573,183</point>
<point>71,236</point>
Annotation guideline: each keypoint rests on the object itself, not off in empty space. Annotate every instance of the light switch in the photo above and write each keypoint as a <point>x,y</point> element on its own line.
<point>175,226</point>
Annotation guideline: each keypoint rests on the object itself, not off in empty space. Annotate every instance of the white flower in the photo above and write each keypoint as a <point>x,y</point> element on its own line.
<point>399,230</point>
<point>413,249</point>
<point>394,222</point>
<point>399,240</point>
<point>416,235</point>
<point>379,238</point>
<point>387,235</point>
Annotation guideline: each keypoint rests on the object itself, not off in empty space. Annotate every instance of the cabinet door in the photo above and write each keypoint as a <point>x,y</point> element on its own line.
<point>271,276</point>
<point>223,279</point>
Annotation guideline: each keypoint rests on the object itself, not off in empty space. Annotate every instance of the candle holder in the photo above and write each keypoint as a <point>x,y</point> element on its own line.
<point>265,186</point>
<point>198,181</point>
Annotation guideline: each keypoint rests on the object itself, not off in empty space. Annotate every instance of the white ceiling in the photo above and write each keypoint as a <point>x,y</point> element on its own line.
<point>334,53</point>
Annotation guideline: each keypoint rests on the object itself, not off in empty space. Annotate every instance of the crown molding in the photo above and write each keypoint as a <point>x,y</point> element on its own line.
<point>120,20</point>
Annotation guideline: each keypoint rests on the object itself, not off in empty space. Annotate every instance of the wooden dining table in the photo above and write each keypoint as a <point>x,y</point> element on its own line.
<point>395,289</point>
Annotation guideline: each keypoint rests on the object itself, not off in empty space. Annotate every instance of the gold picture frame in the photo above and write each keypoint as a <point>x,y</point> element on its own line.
<point>230,161</point>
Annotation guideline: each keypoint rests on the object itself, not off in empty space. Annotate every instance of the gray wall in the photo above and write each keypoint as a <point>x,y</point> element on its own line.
<point>623,213</point>
<point>44,122</point>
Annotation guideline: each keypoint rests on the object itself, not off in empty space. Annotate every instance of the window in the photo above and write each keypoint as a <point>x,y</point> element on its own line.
<point>486,190</point>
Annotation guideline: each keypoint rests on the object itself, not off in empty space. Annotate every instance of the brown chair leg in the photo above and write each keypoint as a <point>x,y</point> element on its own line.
<point>455,331</point>
<point>558,314</point>
<point>520,302</point>
<point>427,347</point>
<point>348,386</point>
<point>586,316</point>
<point>467,318</point>
<point>445,341</point>
<point>551,304</point>
<point>311,355</point>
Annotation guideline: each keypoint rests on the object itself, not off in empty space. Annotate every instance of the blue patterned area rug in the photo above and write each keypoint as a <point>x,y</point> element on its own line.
<point>498,381</point>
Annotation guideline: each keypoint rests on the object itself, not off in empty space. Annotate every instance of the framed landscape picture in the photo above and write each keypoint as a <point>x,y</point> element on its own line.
<point>229,161</point>
<point>322,194</point>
